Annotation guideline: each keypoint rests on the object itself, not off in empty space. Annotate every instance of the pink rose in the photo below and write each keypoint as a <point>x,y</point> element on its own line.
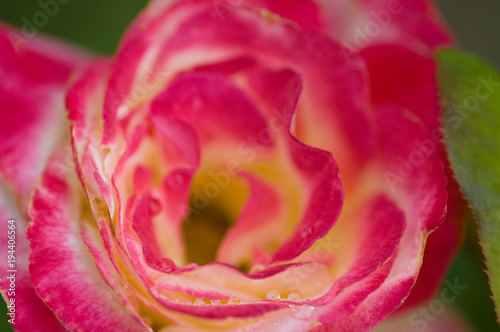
<point>238,165</point>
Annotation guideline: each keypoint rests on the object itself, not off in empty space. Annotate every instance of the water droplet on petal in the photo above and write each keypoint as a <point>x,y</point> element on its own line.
<point>200,302</point>
<point>215,302</point>
<point>177,301</point>
<point>155,291</point>
<point>234,300</point>
<point>303,311</point>
<point>178,178</point>
<point>273,295</point>
<point>257,268</point>
<point>293,297</point>
<point>154,206</point>
<point>192,265</point>
<point>92,197</point>
<point>219,280</point>
<point>187,302</point>
<point>147,320</point>
<point>122,111</point>
<point>306,233</point>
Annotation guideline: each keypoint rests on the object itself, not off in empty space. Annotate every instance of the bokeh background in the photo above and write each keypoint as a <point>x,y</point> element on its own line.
<point>97,25</point>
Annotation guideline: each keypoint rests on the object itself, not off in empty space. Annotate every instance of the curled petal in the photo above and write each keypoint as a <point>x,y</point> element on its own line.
<point>421,196</point>
<point>391,67</point>
<point>212,105</point>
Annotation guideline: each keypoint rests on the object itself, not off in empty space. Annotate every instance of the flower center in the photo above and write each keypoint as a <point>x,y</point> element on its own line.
<point>216,199</point>
<point>203,231</point>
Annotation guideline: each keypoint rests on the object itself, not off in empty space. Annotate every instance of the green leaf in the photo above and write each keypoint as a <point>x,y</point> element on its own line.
<point>470,96</point>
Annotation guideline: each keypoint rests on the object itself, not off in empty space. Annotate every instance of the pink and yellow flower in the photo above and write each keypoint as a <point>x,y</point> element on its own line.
<point>238,165</point>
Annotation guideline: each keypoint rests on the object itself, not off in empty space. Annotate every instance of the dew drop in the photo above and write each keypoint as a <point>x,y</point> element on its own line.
<point>147,320</point>
<point>293,297</point>
<point>273,295</point>
<point>234,300</point>
<point>215,302</point>
<point>306,233</point>
<point>200,302</point>
<point>122,111</point>
<point>187,302</point>
<point>178,179</point>
<point>192,265</point>
<point>92,197</point>
<point>219,280</point>
<point>257,268</point>
<point>154,206</point>
<point>303,311</point>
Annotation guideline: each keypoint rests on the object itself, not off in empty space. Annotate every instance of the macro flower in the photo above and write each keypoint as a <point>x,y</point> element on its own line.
<point>237,165</point>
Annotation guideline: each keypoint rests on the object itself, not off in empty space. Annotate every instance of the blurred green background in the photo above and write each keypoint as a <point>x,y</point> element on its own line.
<point>98,25</point>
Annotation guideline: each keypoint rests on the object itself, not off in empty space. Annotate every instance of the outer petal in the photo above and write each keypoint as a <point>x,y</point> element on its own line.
<point>442,245</point>
<point>33,77</point>
<point>62,271</point>
<point>421,196</point>
<point>402,77</point>
<point>33,74</point>
<point>31,314</point>
<point>360,23</point>
<point>409,22</point>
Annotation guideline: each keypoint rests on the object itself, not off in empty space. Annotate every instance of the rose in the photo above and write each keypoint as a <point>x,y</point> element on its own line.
<point>321,162</point>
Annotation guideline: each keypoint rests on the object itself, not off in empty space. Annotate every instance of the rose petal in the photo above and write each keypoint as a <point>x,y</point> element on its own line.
<point>34,74</point>
<point>421,196</point>
<point>31,313</point>
<point>212,105</point>
<point>381,225</point>
<point>56,248</point>
<point>172,172</point>
<point>317,180</point>
<point>392,67</point>
<point>407,22</point>
<point>254,222</point>
<point>361,23</point>
<point>446,241</point>
<point>82,101</point>
<point>395,70</point>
